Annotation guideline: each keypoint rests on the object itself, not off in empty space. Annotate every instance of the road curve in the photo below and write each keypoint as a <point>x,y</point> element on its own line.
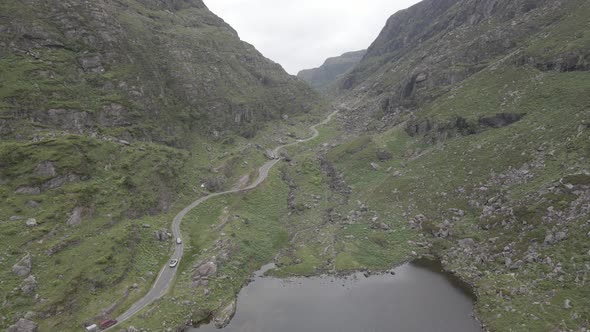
<point>166,276</point>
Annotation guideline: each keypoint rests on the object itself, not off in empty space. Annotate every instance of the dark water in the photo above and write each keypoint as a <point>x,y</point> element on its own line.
<point>417,298</point>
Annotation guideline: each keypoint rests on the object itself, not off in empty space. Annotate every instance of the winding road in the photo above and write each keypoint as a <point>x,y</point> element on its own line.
<point>166,276</point>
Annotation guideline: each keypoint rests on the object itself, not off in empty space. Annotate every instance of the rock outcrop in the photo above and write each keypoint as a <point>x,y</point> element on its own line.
<point>203,272</point>
<point>24,325</point>
<point>75,217</point>
<point>223,318</point>
<point>45,169</point>
<point>124,63</point>
<point>29,285</point>
<point>427,49</point>
<point>162,235</point>
<point>23,267</point>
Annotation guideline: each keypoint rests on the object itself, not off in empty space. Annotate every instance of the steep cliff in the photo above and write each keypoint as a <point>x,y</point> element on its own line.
<point>148,70</point>
<point>322,77</point>
<point>426,50</point>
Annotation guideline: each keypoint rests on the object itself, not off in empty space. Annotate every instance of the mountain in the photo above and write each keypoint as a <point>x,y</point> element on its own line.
<point>431,47</point>
<point>463,136</point>
<point>147,70</point>
<point>471,126</point>
<point>113,114</point>
<point>321,78</point>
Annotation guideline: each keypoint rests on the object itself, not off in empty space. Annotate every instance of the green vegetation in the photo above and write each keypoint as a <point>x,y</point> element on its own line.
<point>518,165</point>
<point>106,134</point>
<point>109,129</point>
<point>84,269</point>
<point>243,232</point>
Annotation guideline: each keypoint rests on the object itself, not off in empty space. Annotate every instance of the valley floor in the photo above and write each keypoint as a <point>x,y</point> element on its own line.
<point>505,209</point>
<point>509,217</point>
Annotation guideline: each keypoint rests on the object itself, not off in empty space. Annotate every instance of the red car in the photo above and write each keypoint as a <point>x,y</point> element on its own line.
<point>105,324</point>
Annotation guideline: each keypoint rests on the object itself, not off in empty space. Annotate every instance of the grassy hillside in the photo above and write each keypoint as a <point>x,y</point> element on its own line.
<point>507,208</point>
<point>97,206</point>
<point>464,135</point>
<point>113,116</point>
<point>136,70</point>
<point>476,123</point>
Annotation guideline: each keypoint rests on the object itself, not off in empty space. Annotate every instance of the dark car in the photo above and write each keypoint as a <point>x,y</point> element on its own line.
<point>105,324</point>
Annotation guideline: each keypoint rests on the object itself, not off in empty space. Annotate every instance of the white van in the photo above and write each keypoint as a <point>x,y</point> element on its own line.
<point>178,240</point>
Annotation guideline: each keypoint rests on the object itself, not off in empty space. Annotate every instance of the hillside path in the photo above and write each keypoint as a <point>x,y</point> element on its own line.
<point>167,274</point>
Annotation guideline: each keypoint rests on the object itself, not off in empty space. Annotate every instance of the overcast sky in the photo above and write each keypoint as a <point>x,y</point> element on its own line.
<point>301,34</point>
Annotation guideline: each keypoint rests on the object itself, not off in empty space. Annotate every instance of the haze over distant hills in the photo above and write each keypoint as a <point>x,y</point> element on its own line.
<point>333,68</point>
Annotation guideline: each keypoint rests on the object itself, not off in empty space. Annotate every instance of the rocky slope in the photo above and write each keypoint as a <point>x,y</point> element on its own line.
<point>149,70</point>
<point>471,122</point>
<point>333,68</point>
<point>426,50</point>
<point>112,115</point>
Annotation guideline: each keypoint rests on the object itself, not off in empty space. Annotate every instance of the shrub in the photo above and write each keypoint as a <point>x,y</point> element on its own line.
<point>216,183</point>
<point>384,155</point>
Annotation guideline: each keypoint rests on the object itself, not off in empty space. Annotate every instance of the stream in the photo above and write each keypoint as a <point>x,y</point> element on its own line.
<point>418,297</point>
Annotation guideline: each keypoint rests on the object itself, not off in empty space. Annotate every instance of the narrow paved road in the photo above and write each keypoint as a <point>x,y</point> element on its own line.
<point>166,276</point>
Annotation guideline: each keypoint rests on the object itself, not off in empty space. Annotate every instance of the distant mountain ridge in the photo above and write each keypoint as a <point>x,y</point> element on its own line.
<point>322,77</point>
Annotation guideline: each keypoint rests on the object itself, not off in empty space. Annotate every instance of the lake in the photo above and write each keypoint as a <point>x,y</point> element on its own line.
<point>419,297</point>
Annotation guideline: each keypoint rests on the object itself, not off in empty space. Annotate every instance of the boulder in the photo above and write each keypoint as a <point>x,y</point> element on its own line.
<point>560,236</point>
<point>380,226</point>
<point>443,233</point>
<point>416,222</point>
<point>91,63</point>
<point>161,235</point>
<point>517,266</point>
<point>457,212</point>
<point>467,243</point>
<point>270,154</point>
<point>207,269</point>
<point>23,325</point>
<point>549,239</point>
<point>75,216</point>
<point>26,190</point>
<point>29,285</point>
<point>23,267</point>
<point>45,169</point>
<point>375,166</point>
<point>421,77</point>
<point>33,204</point>
<point>31,222</point>
<point>203,272</point>
<point>60,181</point>
<point>223,318</point>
